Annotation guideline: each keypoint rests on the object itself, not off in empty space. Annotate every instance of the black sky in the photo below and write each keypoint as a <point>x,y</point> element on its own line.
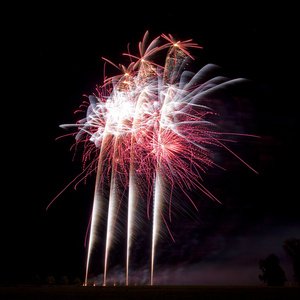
<point>54,57</point>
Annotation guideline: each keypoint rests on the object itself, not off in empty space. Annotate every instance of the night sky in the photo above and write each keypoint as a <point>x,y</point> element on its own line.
<point>54,57</point>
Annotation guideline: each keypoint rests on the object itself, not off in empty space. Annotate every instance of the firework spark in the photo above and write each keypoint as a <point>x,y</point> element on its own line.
<point>147,129</point>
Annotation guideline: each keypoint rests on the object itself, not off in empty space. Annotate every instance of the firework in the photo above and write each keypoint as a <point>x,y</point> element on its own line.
<point>146,131</point>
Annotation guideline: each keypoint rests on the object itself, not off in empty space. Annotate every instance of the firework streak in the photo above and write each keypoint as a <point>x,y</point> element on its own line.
<point>145,132</point>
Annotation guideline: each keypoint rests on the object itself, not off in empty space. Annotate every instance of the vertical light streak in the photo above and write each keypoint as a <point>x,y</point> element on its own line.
<point>121,121</point>
<point>158,201</point>
<point>112,204</point>
<point>132,193</point>
<point>130,218</point>
<point>95,219</point>
<point>159,181</point>
<point>112,209</point>
<point>96,212</point>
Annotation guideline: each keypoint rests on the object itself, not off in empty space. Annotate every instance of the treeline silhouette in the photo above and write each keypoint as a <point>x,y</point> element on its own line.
<point>272,273</point>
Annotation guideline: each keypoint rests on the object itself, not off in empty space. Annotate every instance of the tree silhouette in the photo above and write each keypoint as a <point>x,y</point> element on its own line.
<point>292,250</point>
<point>77,281</point>
<point>64,280</point>
<point>272,273</point>
<point>50,280</point>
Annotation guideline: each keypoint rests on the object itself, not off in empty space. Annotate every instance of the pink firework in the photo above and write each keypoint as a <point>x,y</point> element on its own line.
<point>147,129</point>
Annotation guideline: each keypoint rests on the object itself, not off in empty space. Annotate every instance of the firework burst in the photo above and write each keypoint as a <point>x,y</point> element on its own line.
<point>147,129</point>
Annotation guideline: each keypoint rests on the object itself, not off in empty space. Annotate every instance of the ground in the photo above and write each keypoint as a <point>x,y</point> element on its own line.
<point>149,292</point>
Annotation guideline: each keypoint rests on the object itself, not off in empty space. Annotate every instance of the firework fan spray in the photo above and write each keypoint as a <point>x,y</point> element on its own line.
<point>147,131</point>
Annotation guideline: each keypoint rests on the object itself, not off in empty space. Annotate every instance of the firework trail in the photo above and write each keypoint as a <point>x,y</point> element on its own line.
<point>146,131</point>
